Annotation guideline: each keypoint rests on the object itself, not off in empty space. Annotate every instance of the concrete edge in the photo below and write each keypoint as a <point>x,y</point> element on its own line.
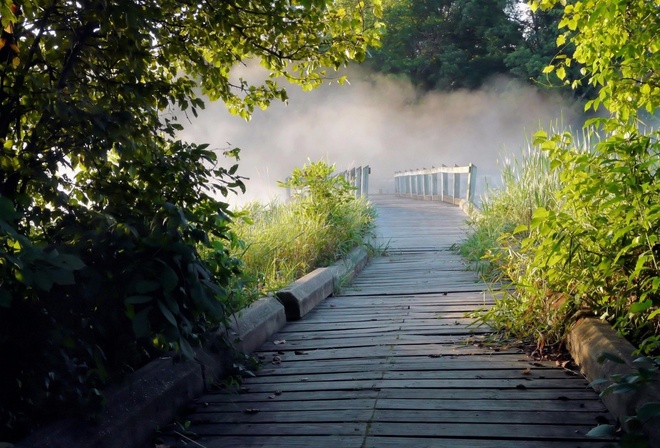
<point>345,270</point>
<point>470,210</point>
<point>154,394</point>
<point>302,296</point>
<point>254,325</point>
<point>587,341</point>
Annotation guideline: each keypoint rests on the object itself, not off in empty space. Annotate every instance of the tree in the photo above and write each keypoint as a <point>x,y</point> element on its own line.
<point>615,41</point>
<point>102,209</point>
<point>599,249</point>
<point>447,44</point>
<point>537,50</point>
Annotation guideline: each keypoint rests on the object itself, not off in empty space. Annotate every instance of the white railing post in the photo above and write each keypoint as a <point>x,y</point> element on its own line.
<point>471,181</point>
<point>445,188</point>
<point>457,187</point>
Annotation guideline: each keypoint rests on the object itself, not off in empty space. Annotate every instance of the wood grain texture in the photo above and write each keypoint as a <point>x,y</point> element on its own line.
<point>393,361</point>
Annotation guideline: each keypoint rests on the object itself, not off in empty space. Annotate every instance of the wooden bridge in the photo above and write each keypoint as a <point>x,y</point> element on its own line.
<point>393,362</point>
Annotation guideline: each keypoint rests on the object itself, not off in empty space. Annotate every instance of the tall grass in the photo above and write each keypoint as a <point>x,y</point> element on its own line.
<point>282,242</point>
<point>573,228</point>
<point>527,182</point>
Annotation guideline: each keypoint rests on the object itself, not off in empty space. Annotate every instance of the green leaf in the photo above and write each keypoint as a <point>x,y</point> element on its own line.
<point>145,286</point>
<point>137,300</point>
<point>168,279</point>
<point>43,280</point>
<point>63,277</point>
<point>7,210</point>
<point>167,314</point>
<point>605,431</point>
<point>640,307</point>
<point>648,411</point>
<point>186,348</point>
<point>67,261</point>
<point>561,73</point>
<point>521,228</point>
<point>611,357</point>
<point>598,382</point>
<point>141,325</point>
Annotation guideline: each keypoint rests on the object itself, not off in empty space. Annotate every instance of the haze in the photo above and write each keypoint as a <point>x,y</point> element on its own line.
<point>381,122</point>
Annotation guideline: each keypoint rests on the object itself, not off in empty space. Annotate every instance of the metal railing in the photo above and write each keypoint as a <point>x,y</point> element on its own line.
<point>437,184</point>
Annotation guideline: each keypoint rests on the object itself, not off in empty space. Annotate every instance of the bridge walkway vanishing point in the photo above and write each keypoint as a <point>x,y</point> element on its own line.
<point>392,363</point>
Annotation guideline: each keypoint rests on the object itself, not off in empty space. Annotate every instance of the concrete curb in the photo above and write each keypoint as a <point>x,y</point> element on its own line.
<point>154,394</point>
<point>470,210</point>
<point>254,325</point>
<point>345,270</point>
<point>150,397</point>
<point>302,296</point>
<point>587,341</point>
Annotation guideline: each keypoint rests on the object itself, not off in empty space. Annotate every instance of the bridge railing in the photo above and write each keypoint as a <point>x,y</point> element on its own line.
<point>358,177</point>
<point>437,184</point>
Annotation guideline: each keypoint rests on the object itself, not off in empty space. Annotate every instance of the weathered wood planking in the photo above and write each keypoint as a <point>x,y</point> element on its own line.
<point>394,362</point>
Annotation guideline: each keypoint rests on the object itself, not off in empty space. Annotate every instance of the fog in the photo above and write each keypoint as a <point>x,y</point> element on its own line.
<point>380,122</point>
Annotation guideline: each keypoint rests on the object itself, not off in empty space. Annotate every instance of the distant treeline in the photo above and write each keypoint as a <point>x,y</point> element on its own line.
<point>461,44</point>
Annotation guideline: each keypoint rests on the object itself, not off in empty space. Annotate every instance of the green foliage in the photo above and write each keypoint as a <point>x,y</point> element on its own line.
<point>321,223</point>
<point>447,44</point>
<point>645,371</point>
<point>538,48</point>
<point>593,246</point>
<point>319,192</point>
<point>598,249</point>
<point>615,41</point>
<point>527,182</point>
<point>103,211</point>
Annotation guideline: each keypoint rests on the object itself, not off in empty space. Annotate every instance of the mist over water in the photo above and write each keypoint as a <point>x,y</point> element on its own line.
<point>381,122</point>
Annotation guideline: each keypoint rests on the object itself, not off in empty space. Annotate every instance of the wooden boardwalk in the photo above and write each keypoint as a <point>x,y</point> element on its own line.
<point>391,362</point>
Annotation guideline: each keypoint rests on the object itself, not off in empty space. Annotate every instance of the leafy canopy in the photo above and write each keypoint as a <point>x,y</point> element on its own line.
<point>597,247</point>
<point>447,44</point>
<point>616,42</point>
<point>102,208</point>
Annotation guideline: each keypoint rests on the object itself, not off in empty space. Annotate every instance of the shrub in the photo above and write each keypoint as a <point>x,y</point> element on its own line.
<point>591,246</point>
<point>322,222</point>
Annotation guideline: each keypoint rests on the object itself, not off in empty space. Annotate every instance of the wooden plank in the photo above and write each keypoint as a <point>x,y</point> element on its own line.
<point>306,415</point>
<point>479,416</point>
<point>394,362</point>
<point>466,375</point>
<point>265,395</point>
<point>281,429</point>
<point>461,368</point>
<point>482,430</point>
<point>438,442</point>
<point>521,385</point>
<point>398,339</point>
<point>269,441</point>
<point>458,349</point>
<point>503,399</point>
